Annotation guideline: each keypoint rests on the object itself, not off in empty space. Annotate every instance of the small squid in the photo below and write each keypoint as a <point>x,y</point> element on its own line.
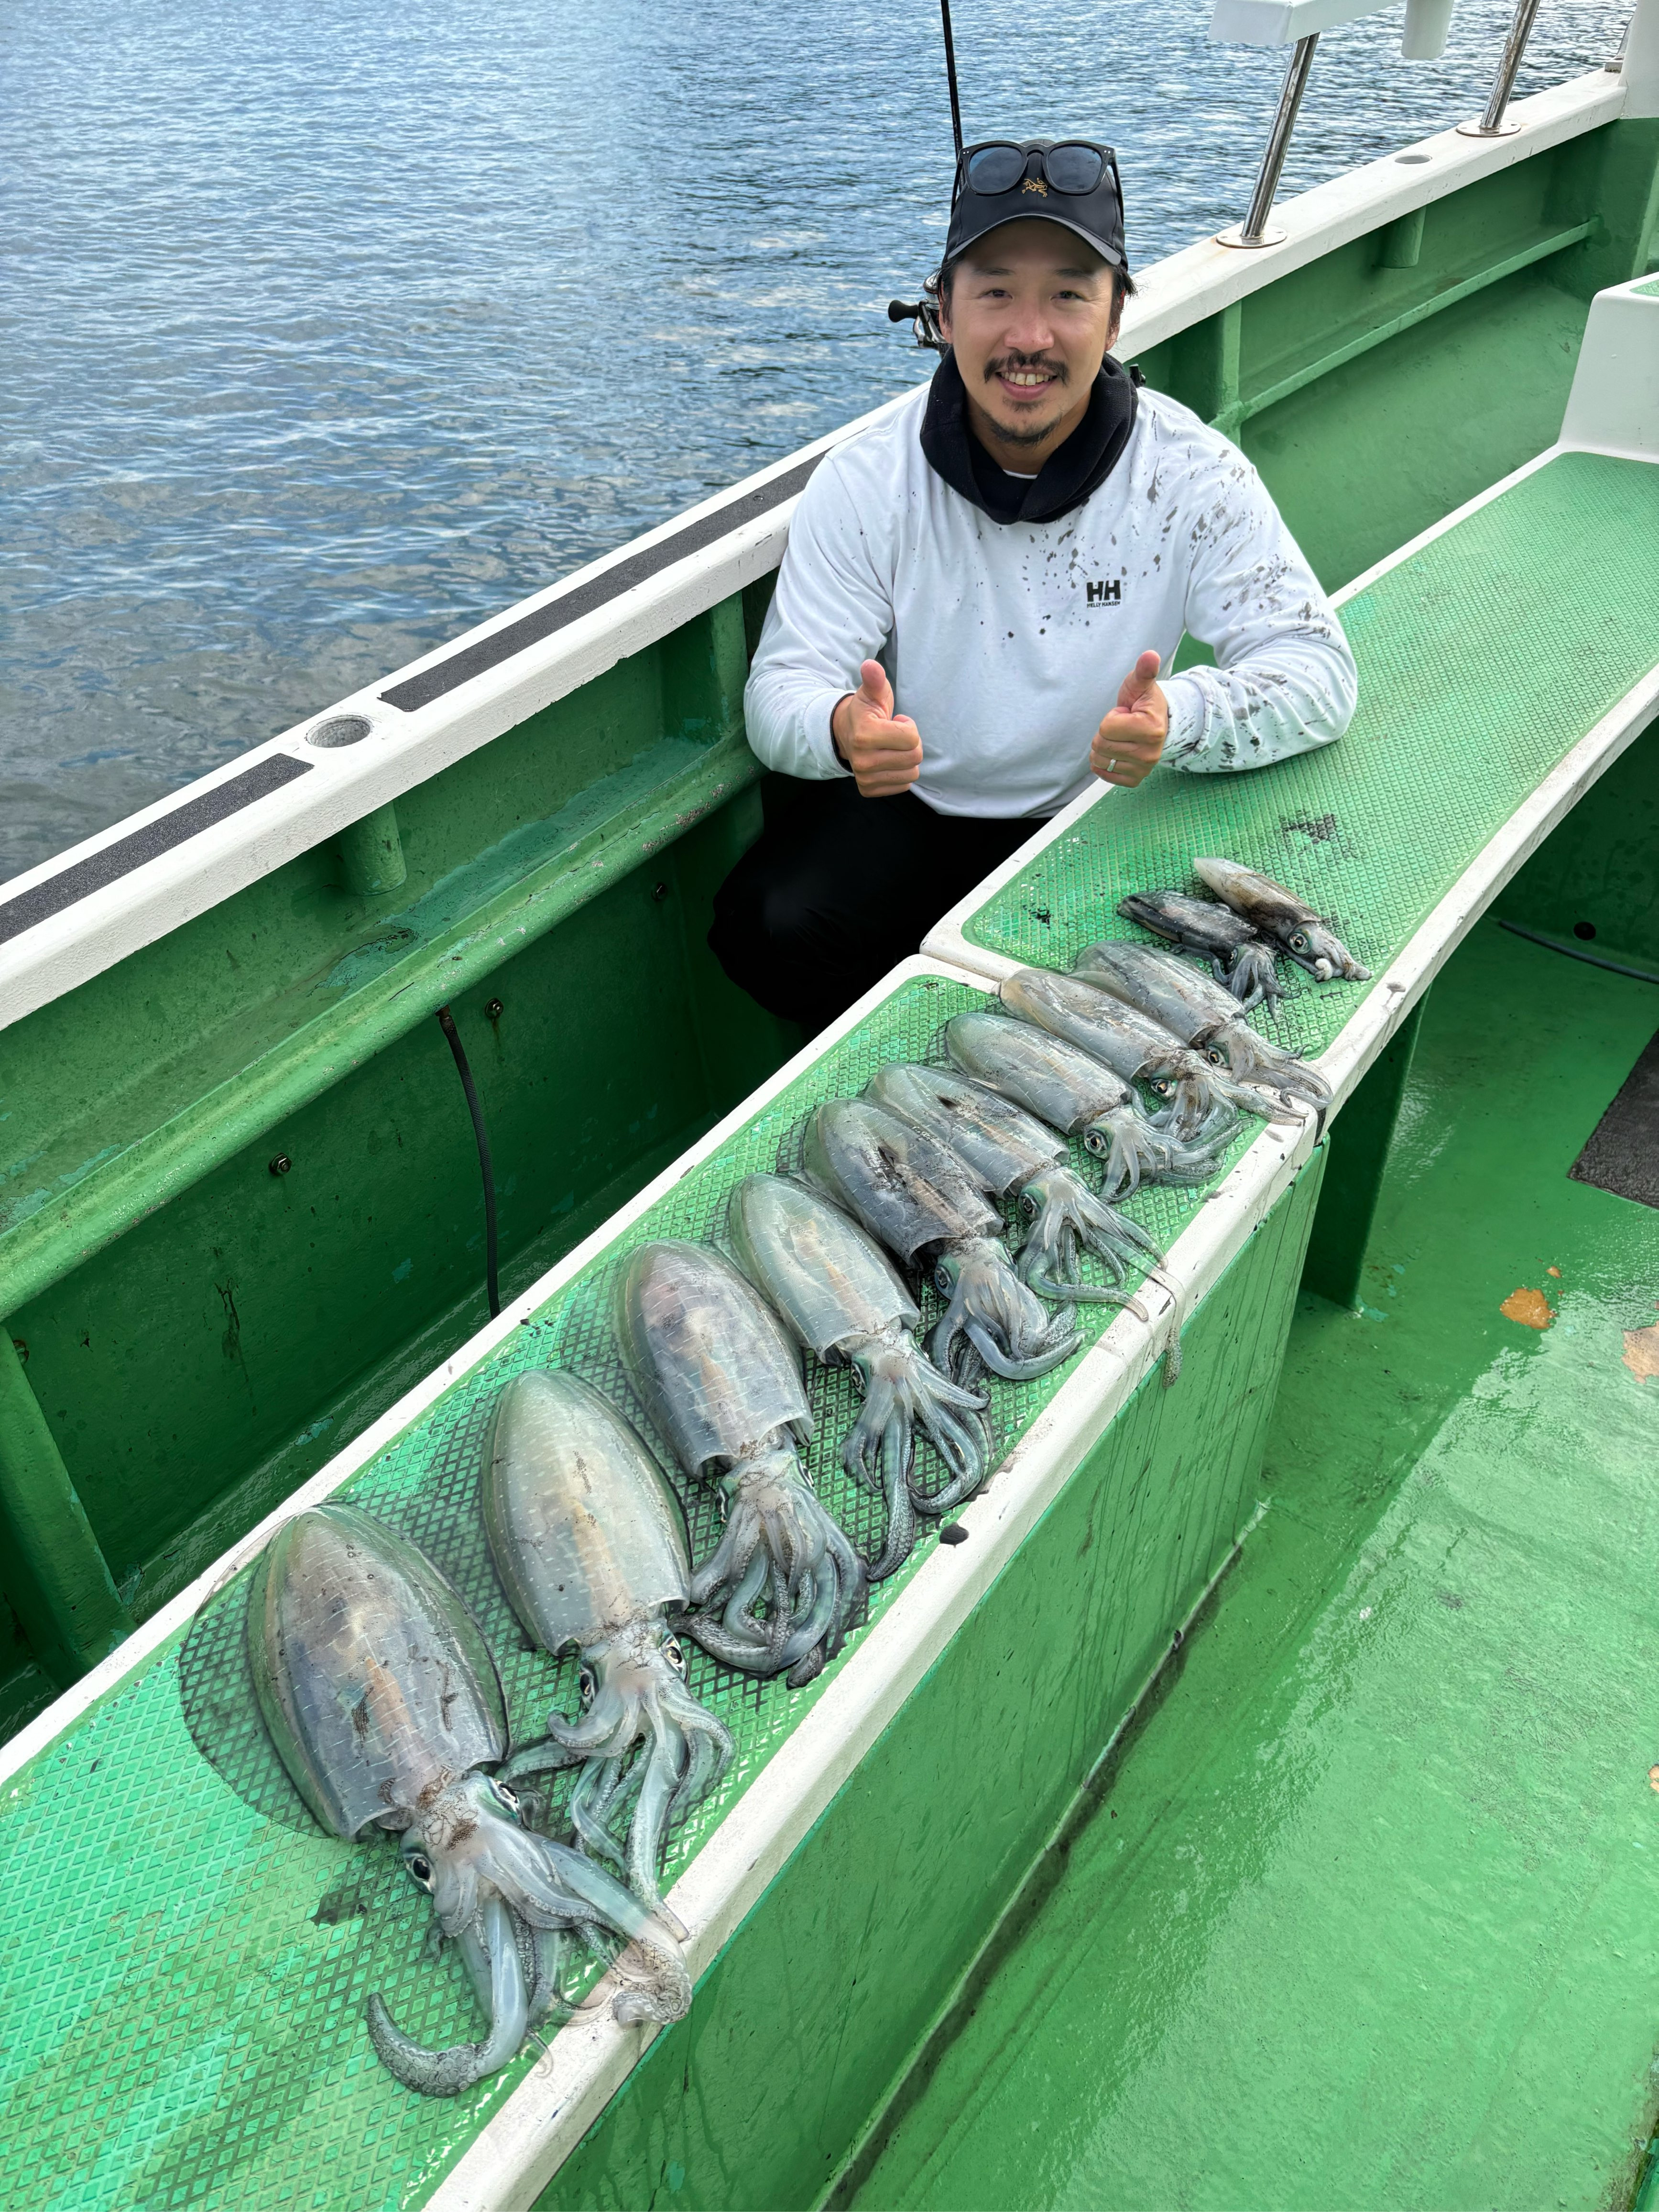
<point>384,1706</point>
<point>1075,1093</point>
<point>721,1382</point>
<point>1135,1047</point>
<point>1278,914</point>
<point>1009,1152</point>
<point>1201,1012</point>
<point>1239,955</point>
<point>589,1541</point>
<point>841,1297</point>
<point>914,1195</point>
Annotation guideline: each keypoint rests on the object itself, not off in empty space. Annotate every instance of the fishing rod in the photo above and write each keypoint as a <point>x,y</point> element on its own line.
<point>922,314</point>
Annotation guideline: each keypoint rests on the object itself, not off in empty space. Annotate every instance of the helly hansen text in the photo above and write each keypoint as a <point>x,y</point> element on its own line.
<point>1105,595</point>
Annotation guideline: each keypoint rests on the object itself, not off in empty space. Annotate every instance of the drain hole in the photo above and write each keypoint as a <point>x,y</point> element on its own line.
<point>1411,161</point>
<point>339,730</point>
<point>1584,929</point>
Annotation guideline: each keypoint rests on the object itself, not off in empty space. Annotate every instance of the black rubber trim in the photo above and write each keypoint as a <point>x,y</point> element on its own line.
<point>164,834</point>
<point>487,652</point>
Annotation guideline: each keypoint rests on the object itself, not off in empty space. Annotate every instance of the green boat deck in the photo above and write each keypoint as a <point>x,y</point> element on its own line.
<point>1366,1910</point>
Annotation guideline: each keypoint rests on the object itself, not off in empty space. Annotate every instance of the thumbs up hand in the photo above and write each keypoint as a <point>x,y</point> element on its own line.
<point>882,749</point>
<point>1129,742</point>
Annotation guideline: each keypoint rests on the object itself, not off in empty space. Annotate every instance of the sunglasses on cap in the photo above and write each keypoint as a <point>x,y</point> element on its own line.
<point>1075,166</point>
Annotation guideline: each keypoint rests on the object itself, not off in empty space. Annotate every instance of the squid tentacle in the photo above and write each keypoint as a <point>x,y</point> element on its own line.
<point>1001,1317</point>
<point>779,1539</point>
<point>1253,1060</point>
<point>1253,978</point>
<point>1134,1151</point>
<point>490,1947</point>
<point>557,1887</point>
<point>903,1392</point>
<point>1199,1093</point>
<point>1066,1215</point>
<point>962,1441</point>
<point>894,1450</point>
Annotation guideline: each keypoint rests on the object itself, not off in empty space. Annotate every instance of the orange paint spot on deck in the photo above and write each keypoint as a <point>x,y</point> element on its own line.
<point>1530,1308</point>
<point>1642,1350</point>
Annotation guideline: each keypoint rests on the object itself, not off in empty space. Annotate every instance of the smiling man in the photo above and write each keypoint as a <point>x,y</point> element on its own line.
<point>980,595</point>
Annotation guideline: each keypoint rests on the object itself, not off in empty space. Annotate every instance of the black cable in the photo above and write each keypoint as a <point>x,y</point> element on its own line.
<point>1595,959</point>
<point>950,74</point>
<point>492,1282</point>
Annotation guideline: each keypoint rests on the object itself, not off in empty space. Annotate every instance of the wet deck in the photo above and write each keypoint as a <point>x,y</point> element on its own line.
<point>1367,1911</point>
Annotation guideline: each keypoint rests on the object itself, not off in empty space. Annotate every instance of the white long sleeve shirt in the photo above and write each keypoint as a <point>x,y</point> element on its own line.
<point>1005,642</point>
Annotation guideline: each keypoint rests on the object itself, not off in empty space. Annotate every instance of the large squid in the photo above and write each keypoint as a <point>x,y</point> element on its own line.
<point>912,1193</point>
<point>1135,1047</point>
<point>1012,1154</point>
<point>1074,1092</point>
<point>1201,1011</point>
<point>839,1295</point>
<point>384,1706</point>
<point>589,1541</point>
<point>721,1382</point>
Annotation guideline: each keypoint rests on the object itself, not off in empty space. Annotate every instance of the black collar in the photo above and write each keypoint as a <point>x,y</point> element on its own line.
<point>1071,473</point>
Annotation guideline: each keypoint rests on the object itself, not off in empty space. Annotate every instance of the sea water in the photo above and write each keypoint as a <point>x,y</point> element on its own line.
<point>330,329</point>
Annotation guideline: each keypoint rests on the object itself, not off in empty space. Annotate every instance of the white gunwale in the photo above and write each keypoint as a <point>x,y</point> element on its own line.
<point>57,955</point>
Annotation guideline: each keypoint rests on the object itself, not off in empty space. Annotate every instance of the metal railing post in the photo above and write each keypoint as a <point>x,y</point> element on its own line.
<point>1255,230</point>
<point>1492,124</point>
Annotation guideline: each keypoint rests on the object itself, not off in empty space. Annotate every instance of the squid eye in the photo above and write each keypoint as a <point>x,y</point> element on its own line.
<point>1216,1058</point>
<point>1298,941</point>
<point>942,1279</point>
<point>508,1796</point>
<point>586,1686</point>
<point>1162,1086</point>
<point>420,1870</point>
<point>1094,1142</point>
<point>1029,1206</point>
<point>672,1653</point>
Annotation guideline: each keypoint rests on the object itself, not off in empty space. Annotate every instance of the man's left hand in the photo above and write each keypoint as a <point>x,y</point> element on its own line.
<point>1129,742</point>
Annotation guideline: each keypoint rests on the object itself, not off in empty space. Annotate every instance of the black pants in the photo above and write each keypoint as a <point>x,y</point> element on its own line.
<point>838,887</point>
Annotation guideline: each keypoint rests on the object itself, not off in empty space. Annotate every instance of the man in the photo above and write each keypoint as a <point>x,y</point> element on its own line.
<point>979,595</point>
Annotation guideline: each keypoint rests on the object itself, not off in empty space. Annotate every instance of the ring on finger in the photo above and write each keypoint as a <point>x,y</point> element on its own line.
<point>1111,764</point>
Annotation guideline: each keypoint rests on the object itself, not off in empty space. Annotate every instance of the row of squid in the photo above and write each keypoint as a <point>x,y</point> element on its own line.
<point>376,1683</point>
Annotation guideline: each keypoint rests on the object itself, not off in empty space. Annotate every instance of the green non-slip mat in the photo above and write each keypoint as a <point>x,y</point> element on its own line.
<point>184,1987</point>
<point>1482,660</point>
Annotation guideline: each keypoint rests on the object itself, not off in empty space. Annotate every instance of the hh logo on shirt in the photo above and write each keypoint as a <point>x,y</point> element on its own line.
<point>1107,594</point>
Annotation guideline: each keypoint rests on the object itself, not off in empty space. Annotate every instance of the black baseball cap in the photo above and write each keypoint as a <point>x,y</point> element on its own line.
<point>1070,181</point>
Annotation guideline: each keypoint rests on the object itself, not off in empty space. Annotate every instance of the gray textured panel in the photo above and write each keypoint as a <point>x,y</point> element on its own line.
<point>162,835</point>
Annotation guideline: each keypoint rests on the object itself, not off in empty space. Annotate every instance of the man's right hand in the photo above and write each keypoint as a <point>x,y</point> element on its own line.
<point>882,749</point>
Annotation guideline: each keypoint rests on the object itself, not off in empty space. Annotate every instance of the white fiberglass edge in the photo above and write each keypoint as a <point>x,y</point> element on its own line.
<point>100,928</point>
<point>947,940</point>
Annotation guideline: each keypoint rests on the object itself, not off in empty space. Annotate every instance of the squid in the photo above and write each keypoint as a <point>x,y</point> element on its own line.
<point>1008,1153</point>
<point>589,1541</point>
<point>916,1197</point>
<point>721,1382</point>
<point>1239,955</point>
<point>1201,1012</point>
<point>384,1704</point>
<point>1280,915</point>
<point>1080,1095</point>
<point>841,1297</point>
<point>1135,1047</point>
